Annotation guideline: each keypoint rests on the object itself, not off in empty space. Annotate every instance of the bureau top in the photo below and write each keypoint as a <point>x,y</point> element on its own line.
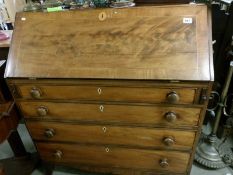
<point>151,42</point>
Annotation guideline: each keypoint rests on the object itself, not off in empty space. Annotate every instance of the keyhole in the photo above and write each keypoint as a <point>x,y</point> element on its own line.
<point>104,129</point>
<point>102,108</point>
<point>107,150</point>
<point>99,90</point>
<point>102,16</point>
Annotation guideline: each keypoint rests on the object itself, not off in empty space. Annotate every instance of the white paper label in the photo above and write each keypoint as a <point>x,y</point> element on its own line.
<point>187,20</point>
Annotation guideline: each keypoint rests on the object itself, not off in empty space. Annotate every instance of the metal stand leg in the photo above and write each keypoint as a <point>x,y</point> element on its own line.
<point>207,153</point>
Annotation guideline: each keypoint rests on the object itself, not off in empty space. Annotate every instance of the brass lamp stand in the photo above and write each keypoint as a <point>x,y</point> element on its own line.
<point>208,152</point>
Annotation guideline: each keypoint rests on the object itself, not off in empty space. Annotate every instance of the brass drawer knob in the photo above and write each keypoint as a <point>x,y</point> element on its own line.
<point>58,154</point>
<point>36,93</point>
<point>49,133</point>
<point>163,163</point>
<point>173,97</point>
<point>171,116</point>
<point>42,111</point>
<point>169,141</point>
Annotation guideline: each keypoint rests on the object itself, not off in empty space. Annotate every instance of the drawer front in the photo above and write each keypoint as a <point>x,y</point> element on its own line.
<point>128,94</point>
<point>115,157</point>
<point>102,134</point>
<point>124,114</point>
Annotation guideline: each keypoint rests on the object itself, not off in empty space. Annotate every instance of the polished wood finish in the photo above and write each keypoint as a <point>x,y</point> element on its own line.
<point>149,94</point>
<point>124,95</point>
<point>162,1</point>
<point>133,43</point>
<point>114,157</point>
<point>109,82</point>
<point>118,113</point>
<point>105,134</point>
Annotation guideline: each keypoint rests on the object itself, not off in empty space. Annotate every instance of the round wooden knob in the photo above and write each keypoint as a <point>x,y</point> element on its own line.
<point>163,163</point>
<point>58,154</point>
<point>36,93</point>
<point>42,111</point>
<point>170,116</point>
<point>169,141</point>
<point>49,133</point>
<point>173,97</point>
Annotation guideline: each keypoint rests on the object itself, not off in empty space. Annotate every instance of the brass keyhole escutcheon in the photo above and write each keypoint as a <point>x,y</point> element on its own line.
<point>99,90</point>
<point>102,16</point>
<point>101,108</point>
<point>104,129</point>
<point>107,150</point>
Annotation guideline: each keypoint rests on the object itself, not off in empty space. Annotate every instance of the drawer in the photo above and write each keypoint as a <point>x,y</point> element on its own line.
<point>128,94</point>
<point>115,157</point>
<point>125,114</point>
<point>105,134</point>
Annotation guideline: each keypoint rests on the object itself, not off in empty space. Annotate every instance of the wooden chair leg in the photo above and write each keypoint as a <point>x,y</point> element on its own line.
<point>48,168</point>
<point>1,170</point>
<point>16,144</point>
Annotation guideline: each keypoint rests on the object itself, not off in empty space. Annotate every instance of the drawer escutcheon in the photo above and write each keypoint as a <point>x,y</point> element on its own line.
<point>107,150</point>
<point>101,108</point>
<point>99,90</point>
<point>104,129</point>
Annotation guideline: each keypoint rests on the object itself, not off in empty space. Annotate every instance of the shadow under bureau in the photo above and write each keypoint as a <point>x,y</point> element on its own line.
<point>121,91</point>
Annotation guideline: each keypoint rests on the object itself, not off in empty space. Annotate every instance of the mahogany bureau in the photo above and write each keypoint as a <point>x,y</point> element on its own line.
<point>121,91</point>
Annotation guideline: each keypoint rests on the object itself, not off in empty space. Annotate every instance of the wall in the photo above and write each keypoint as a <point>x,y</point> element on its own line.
<point>12,6</point>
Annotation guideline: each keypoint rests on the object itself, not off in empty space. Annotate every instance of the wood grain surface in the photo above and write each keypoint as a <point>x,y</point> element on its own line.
<point>102,93</point>
<point>114,157</point>
<point>119,114</point>
<point>136,43</point>
<point>100,79</point>
<point>114,135</point>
